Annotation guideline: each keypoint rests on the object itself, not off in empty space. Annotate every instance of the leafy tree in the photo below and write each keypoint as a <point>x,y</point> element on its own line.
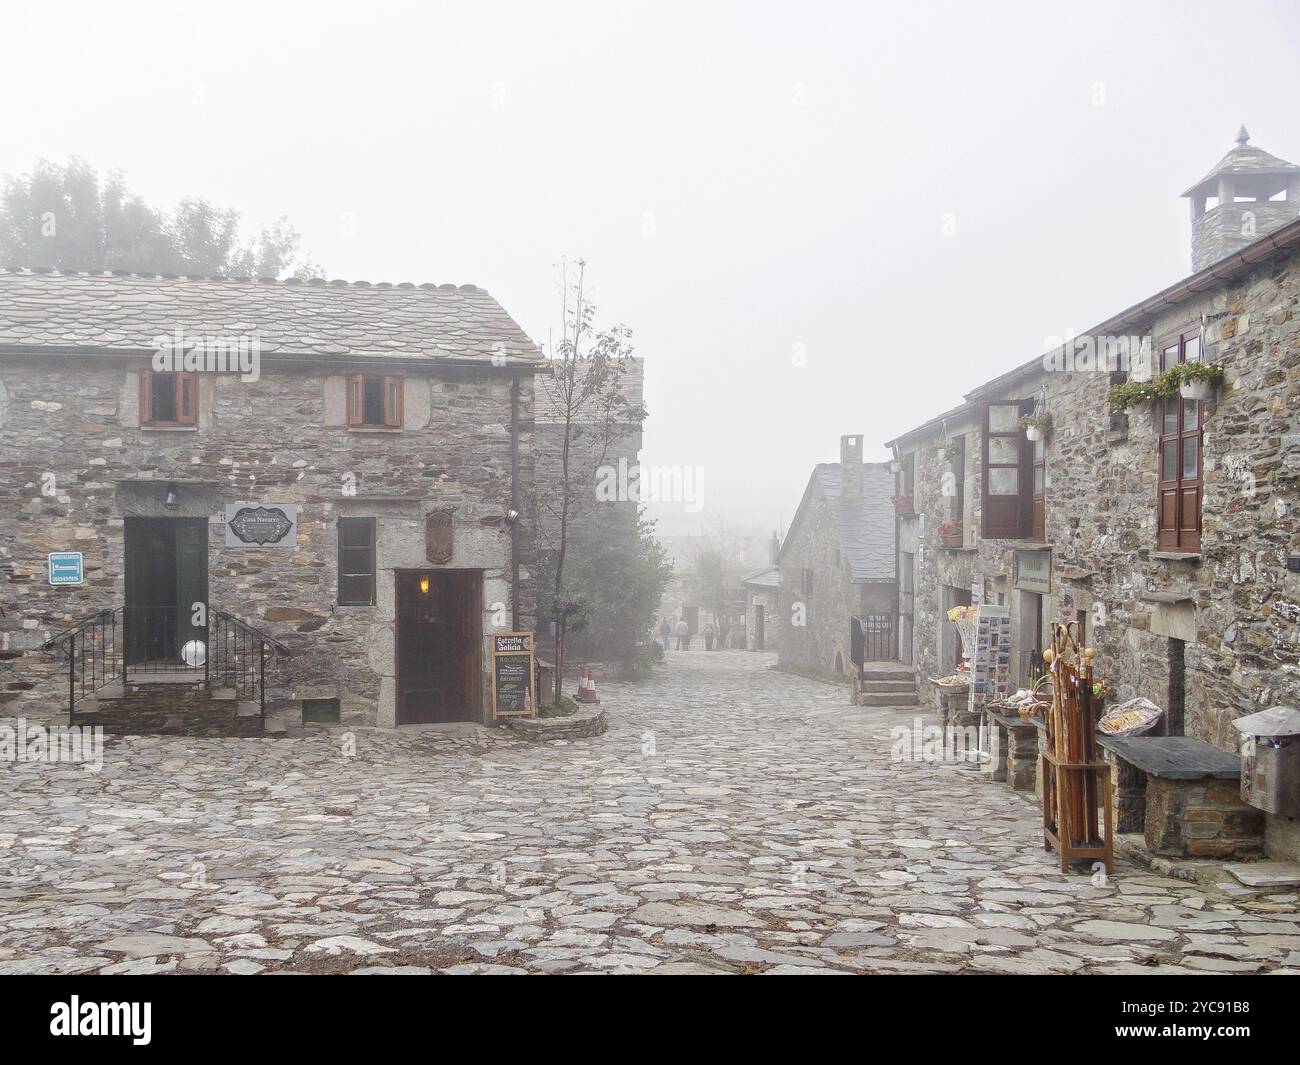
<point>615,578</point>
<point>585,390</point>
<point>66,217</point>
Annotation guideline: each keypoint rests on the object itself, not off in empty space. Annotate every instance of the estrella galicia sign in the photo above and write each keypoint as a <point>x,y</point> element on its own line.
<point>261,526</point>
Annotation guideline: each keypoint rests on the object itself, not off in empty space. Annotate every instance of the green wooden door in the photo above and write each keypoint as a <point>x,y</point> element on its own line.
<point>166,578</point>
<point>191,581</point>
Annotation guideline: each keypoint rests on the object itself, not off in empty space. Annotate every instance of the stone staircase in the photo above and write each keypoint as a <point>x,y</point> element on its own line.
<point>173,708</point>
<point>886,684</point>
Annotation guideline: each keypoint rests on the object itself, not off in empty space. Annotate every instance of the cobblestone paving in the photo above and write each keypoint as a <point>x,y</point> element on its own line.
<point>733,819</point>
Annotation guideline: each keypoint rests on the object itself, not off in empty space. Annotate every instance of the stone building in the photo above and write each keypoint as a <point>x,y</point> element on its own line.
<point>838,562</point>
<point>1169,533</point>
<point>762,612</point>
<point>349,500</point>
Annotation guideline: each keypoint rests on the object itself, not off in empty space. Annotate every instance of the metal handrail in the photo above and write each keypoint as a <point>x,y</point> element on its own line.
<point>267,639</point>
<point>78,626</point>
<point>235,653</point>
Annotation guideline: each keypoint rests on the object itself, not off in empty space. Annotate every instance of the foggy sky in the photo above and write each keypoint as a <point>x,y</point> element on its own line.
<point>746,181</point>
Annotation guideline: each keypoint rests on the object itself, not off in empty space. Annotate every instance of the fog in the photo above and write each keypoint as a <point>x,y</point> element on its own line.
<point>816,218</point>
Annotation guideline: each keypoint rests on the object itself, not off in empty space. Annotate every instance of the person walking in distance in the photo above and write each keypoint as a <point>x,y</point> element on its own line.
<point>683,635</point>
<point>708,636</point>
<point>665,633</point>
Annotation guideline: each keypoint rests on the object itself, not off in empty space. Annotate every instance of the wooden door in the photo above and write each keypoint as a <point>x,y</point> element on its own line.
<point>191,536</point>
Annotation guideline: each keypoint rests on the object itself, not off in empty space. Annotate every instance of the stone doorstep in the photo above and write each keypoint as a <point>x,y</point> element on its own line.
<point>886,699</point>
<point>1266,874</point>
<point>870,684</point>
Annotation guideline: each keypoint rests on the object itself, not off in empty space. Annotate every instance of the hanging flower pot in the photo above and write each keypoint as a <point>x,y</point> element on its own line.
<point>1036,426</point>
<point>1195,388</point>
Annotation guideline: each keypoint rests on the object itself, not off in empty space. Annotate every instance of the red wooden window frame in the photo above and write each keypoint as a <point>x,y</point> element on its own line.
<point>185,399</point>
<point>1038,489</point>
<point>391,401</point>
<point>1006,516</point>
<point>1180,436</point>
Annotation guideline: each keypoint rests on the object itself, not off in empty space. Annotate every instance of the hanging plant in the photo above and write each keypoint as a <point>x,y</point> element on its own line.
<point>903,504</point>
<point>1036,426</point>
<point>1192,380</point>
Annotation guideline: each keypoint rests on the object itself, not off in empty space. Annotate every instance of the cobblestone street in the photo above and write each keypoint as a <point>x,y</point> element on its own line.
<point>733,819</point>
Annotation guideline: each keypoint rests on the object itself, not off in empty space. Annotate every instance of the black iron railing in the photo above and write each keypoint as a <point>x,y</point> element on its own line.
<point>237,658</point>
<point>93,652</point>
<point>873,638</point>
<point>139,642</point>
<point>163,639</point>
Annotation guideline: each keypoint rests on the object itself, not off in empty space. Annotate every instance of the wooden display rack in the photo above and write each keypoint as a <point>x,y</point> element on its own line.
<point>1059,830</point>
<point>1076,781</point>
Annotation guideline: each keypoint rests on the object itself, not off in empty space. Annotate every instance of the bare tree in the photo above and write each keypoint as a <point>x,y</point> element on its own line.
<point>591,412</point>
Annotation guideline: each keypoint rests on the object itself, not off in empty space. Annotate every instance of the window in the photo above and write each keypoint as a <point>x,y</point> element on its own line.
<point>356,561</point>
<point>168,399</point>
<point>1009,476</point>
<point>1178,503</point>
<point>374,401</point>
<point>806,582</point>
<point>957,462</point>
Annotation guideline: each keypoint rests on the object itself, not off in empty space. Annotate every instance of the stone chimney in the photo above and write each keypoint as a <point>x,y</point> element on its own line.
<point>774,548</point>
<point>1234,205</point>
<point>851,469</point>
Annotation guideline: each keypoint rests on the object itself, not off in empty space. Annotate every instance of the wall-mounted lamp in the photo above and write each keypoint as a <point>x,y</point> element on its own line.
<point>173,499</point>
<point>511,516</point>
<point>424,585</point>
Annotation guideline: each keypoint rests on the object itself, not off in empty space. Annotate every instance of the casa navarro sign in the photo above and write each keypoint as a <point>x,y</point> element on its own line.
<point>262,525</point>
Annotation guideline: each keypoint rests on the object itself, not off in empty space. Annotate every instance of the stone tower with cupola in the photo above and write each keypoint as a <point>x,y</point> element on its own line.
<point>1247,195</point>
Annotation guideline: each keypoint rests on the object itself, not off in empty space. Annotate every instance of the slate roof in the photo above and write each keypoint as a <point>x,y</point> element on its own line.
<point>764,578</point>
<point>1245,159</point>
<point>867,530</point>
<point>311,319</point>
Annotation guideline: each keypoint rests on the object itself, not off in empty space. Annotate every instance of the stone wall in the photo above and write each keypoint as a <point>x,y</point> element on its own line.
<point>814,646</point>
<point>1233,611</point>
<point>282,439</point>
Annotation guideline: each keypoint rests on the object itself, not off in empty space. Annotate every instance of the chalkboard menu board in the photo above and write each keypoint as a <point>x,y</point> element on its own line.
<point>512,675</point>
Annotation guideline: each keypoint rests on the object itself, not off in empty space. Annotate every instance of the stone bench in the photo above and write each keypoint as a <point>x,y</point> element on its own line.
<point>1184,795</point>
<point>1021,752</point>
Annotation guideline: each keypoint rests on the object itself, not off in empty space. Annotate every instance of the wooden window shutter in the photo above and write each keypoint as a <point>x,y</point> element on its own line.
<point>356,399</point>
<point>146,397</point>
<point>393,402</point>
<point>187,399</point>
